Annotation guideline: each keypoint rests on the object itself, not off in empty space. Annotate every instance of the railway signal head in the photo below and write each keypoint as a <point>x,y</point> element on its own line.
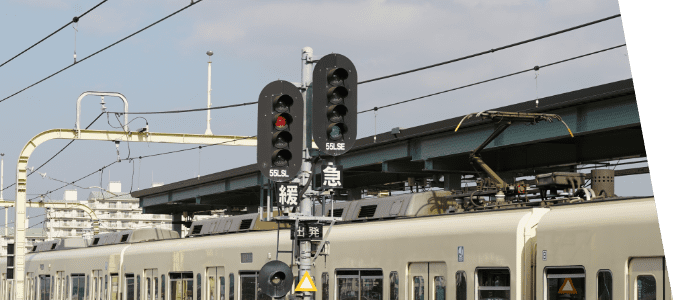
<point>334,104</point>
<point>280,122</point>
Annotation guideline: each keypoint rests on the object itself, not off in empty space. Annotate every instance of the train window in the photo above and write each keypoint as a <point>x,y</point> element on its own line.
<point>566,283</point>
<point>604,285</point>
<point>148,287</point>
<point>223,286</point>
<point>138,286</point>
<point>163,287</point>
<point>53,287</point>
<point>114,286</point>
<point>493,283</point>
<point>182,285</point>
<point>86,288</point>
<point>130,285</point>
<point>325,285</point>
<point>394,286</point>
<point>95,288</point>
<point>647,287</point>
<point>440,288</point>
<point>77,290</point>
<point>156,288</point>
<point>419,288</point>
<point>461,286</point>
<point>105,294</point>
<point>198,286</point>
<point>67,285</point>
<point>212,288</point>
<point>231,286</point>
<point>359,284</point>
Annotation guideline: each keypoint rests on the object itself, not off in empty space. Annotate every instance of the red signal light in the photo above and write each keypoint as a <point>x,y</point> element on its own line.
<point>280,122</point>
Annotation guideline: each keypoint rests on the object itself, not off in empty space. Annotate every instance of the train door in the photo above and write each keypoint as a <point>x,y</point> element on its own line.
<point>647,279</point>
<point>58,288</point>
<point>45,288</point>
<point>97,288</point>
<point>151,284</point>
<point>114,286</point>
<point>427,281</point>
<point>215,283</point>
<point>29,286</point>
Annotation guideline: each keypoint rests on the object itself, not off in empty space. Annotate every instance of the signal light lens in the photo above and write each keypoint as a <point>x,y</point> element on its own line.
<point>281,139</point>
<point>280,158</point>
<point>337,94</point>
<point>282,103</point>
<point>335,131</point>
<point>337,76</point>
<point>282,121</point>
<point>336,113</point>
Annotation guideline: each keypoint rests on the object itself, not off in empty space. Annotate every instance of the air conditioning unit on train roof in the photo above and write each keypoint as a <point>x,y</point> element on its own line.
<point>59,244</point>
<point>133,236</point>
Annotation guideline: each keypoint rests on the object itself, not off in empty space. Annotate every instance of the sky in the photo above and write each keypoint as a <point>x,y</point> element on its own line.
<point>256,42</point>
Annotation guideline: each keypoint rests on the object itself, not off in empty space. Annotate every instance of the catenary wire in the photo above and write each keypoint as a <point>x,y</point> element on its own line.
<point>493,50</point>
<point>101,50</point>
<point>492,79</point>
<point>183,110</point>
<point>57,153</point>
<point>75,181</point>
<point>76,19</point>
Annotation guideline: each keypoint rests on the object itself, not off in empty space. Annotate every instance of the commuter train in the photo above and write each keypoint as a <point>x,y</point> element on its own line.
<point>407,247</point>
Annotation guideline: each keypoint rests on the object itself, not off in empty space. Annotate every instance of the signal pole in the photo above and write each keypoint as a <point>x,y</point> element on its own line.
<point>306,80</point>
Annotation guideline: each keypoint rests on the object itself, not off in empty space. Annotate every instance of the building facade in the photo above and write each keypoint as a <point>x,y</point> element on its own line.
<point>116,211</point>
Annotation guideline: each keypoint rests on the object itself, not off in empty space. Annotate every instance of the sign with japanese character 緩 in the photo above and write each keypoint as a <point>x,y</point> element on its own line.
<point>306,231</point>
<point>332,176</point>
<point>287,194</point>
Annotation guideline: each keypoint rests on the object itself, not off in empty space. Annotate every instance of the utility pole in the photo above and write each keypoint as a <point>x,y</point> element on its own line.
<point>208,132</point>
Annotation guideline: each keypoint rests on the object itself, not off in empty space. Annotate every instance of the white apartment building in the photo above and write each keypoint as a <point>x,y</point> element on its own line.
<point>116,211</point>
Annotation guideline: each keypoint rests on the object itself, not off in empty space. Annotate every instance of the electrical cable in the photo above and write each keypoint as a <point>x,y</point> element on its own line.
<point>183,110</point>
<point>492,79</point>
<point>493,50</point>
<point>74,20</point>
<point>187,149</point>
<point>57,153</point>
<point>82,178</point>
<point>101,50</point>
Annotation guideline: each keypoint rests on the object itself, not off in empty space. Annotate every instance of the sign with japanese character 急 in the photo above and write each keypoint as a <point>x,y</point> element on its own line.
<point>287,194</point>
<point>332,176</point>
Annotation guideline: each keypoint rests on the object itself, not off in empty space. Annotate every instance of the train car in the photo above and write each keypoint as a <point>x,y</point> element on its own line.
<point>401,247</point>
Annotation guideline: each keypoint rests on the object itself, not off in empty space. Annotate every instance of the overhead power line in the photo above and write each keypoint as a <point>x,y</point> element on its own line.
<point>493,50</point>
<point>187,149</point>
<point>73,182</point>
<point>74,20</point>
<point>183,110</point>
<point>492,79</point>
<point>101,50</point>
